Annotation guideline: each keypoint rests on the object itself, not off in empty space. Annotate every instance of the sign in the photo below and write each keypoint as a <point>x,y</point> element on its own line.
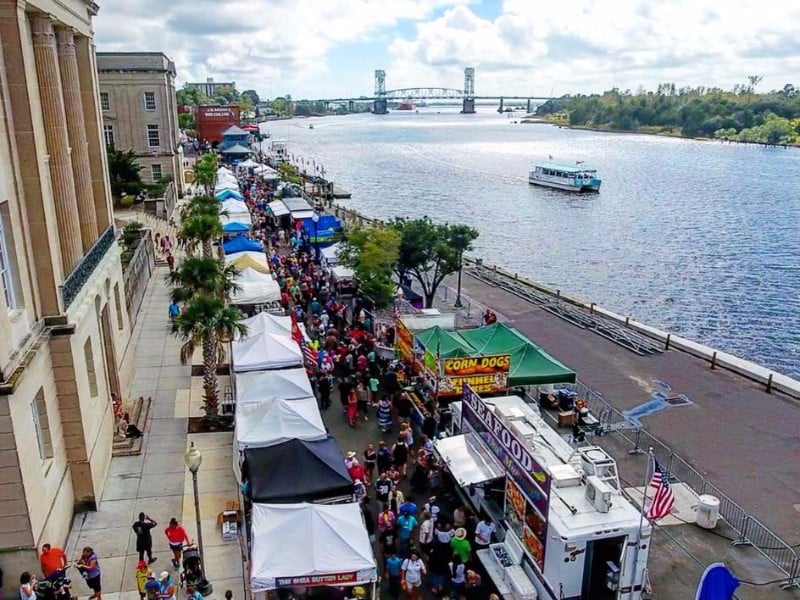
<point>404,341</point>
<point>316,580</point>
<point>484,374</point>
<point>515,498</point>
<point>218,111</point>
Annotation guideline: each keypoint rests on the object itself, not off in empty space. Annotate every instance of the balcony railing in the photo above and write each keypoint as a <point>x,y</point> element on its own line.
<point>73,284</point>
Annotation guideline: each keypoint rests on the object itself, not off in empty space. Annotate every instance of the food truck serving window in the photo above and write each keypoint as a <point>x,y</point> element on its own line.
<point>468,461</point>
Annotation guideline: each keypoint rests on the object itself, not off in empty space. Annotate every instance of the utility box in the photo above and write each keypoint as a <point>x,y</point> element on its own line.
<point>230,525</point>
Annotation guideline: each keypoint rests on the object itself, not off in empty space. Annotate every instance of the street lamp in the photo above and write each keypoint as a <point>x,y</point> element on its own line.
<point>458,303</point>
<point>193,459</point>
<point>315,219</point>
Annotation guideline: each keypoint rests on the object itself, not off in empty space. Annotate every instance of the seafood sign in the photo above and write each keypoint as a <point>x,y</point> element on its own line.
<point>484,374</point>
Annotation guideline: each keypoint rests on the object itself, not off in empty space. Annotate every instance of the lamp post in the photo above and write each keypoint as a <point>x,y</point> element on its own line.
<point>193,459</point>
<point>458,303</point>
<point>315,219</point>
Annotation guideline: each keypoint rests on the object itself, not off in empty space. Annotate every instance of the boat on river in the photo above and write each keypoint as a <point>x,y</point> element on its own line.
<point>560,177</point>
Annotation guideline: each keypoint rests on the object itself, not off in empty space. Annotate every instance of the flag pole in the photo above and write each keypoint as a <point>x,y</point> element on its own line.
<point>648,476</point>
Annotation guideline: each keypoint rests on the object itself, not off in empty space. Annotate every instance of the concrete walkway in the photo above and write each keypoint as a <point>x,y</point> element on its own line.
<point>157,481</point>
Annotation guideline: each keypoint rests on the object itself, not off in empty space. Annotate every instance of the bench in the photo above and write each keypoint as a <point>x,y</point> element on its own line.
<point>139,412</point>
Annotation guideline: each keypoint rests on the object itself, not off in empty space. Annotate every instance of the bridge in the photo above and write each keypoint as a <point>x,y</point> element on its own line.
<point>382,97</point>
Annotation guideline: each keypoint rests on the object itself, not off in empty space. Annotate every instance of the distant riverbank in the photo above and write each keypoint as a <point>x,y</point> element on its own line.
<point>662,132</point>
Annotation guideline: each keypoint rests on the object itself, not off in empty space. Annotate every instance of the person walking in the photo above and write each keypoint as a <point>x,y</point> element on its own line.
<point>167,585</point>
<point>144,539</point>
<point>352,407</point>
<point>400,456</point>
<point>393,570</point>
<point>141,578</point>
<point>413,570</point>
<point>176,536</point>
<point>90,570</point>
<point>152,589</point>
<point>52,560</point>
<point>384,414</point>
<point>370,460</point>
<point>362,396</point>
<point>27,586</point>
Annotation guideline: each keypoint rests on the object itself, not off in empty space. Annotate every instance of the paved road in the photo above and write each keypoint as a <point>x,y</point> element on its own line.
<point>746,441</point>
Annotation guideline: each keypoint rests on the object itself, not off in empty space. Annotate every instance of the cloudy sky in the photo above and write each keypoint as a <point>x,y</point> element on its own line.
<point>331,48</point>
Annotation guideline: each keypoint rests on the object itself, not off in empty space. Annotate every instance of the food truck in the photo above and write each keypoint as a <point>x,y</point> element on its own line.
<point>567,531</point>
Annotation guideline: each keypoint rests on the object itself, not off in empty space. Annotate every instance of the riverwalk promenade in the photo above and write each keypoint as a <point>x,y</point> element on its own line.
<point>157,481</point>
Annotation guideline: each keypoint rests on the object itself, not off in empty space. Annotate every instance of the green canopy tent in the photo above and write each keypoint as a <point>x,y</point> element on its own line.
<point>494,339</point>
<point>530,365</point>
<point>449,344</point>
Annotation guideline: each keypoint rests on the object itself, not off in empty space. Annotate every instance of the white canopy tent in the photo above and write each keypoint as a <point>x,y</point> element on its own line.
<point>264,352</point>
<point>274,420</point>
<point>255,288</point>
<point>278,208</point>
<point>259,256</point>
<point>341,553</point>
<point>233,206</point>
<point>267,173</point>
<point>246,164</point>
<point>267,322</point>
<point>342,272</point>
<point>331,254</point>
<point>289,384</point>
<point>223,170</point>
<point>237,217</point>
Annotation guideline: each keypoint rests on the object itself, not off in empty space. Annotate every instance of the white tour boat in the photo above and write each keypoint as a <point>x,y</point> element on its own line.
<point>570,179</point>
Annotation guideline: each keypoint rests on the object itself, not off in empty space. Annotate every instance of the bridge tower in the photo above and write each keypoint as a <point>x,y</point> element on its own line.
<point>468,104</point>
<point>380,105</point>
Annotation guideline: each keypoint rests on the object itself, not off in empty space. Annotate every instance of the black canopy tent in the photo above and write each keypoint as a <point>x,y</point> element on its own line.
<point>297,471</point>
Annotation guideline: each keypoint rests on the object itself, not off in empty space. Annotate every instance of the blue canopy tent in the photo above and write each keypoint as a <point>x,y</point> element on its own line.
<point>223,195</point>
<point>325,230</point>
<point>235,227</point>
<point>242,244</point>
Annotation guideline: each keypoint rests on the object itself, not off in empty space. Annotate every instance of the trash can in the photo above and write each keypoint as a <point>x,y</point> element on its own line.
<point>708,511</point>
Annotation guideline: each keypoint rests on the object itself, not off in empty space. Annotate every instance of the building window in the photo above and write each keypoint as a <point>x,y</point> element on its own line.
<point>149,100</point>
<point>42,425</point>
<point>118,305</point>
<point>6,271</point>
<point>88,356</point>
<point>104,102</point>
<point>156,171</point>
<point>153,139</point>
<point>108,134</point>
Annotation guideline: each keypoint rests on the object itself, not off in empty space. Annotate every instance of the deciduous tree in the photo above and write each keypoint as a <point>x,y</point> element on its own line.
<point>372,252</point>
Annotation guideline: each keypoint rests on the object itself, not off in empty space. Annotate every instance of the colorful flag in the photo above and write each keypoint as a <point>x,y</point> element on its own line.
<point>717,583</point>
<point>310,355</point>
<point>663,498</point>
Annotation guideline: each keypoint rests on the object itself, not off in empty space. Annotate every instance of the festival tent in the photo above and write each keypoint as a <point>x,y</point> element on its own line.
<point>530,365</point>
<point>242,243</point>
<point>227,194</point>
<point>289,384</point>
<point>249,260</point>
<point>278,208</point>
<point>497,338</point>
<point>267,173</point>
<point>237,150</point>
<point>255,288</point>
<point>276,420</point>
<point>264,352</point>
<point>331,254</point>
<point>449,344</point>
<point>233,206</point>
<point>325,230</point>
<point>297,471</point>
<point>341,553</point>
<point>264,321</point>
<point>235,227</point>
<point>223,185</point>
<point>239,217</point>
<point>248,163</point>
<point>223,171</point>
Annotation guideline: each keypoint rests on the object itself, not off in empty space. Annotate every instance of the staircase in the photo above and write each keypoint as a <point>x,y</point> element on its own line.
<point>139,411</point>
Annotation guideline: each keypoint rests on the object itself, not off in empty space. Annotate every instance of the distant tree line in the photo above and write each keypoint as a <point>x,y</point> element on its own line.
<point>741,114</point>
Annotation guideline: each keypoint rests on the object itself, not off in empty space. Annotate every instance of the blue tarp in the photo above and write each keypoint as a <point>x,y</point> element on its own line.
<point>327,227</point>
<point>234,227</point>
<point>228,194</point>
<point>242,244</point>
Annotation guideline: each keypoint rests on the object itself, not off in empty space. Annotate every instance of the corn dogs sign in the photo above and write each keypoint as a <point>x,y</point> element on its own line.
<point>484,374</point>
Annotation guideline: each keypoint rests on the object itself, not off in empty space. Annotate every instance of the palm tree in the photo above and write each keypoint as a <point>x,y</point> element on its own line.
<point>208,322</point>
<point>201,275</point>
<point>202,229</point>
<point>205,171</point>
<point>206,205</point>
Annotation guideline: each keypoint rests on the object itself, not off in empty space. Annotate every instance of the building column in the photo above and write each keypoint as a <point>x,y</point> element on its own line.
<point>55,127</point>
<point>98,162</point>
<point>70,84</point>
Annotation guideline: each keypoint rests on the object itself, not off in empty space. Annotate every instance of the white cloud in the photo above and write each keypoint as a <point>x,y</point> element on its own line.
<point>279,46</point>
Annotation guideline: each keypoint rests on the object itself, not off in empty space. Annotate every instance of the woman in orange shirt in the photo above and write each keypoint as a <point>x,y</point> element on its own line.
<point>176,536</point>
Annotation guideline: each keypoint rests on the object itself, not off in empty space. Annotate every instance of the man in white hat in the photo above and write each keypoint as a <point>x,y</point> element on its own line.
<point>350,459</point>
<point>167,586</point>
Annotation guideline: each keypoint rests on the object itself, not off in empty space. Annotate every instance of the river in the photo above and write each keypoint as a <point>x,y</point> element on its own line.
<point>698,238</point>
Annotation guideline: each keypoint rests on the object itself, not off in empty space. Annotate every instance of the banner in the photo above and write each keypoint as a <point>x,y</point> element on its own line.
<point>527,481</point>
<point>334,579</point>
<point>404,341</point>
<point>484,374</point>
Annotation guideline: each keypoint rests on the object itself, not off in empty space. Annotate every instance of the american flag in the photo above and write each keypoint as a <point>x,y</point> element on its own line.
<point>663,498</point>
<point>310,355</point>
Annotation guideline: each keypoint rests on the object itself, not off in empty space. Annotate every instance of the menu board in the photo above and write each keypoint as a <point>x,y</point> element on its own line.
<point>524,520</point>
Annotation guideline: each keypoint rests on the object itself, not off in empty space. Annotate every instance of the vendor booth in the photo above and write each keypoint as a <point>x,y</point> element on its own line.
<point>228,194</point>
<point>267,173</point>
<point>565,528</point>
<point>325,231</point>
<point>242,243</point>
<point>330,254</point>
<point>233,206</point>
<point>278,208</point>
<point>265,352</point>
<point>265,322</point>
<point>248,259</point>
<point>238,217</point>
<point>236,151</point>
<point>289,384</point>
<point>255,287</point>
<point>283,557</point>
<point>298,471</point>
<point>235,228</point>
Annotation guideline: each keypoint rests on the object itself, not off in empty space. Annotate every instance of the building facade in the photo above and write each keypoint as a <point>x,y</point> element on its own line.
<point>140,111</point>
<point>210,87</point>
<point>63,323</point>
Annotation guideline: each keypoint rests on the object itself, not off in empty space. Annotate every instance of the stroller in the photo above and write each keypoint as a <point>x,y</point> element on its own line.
<point>192,574</point>
<point>55,587</point>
